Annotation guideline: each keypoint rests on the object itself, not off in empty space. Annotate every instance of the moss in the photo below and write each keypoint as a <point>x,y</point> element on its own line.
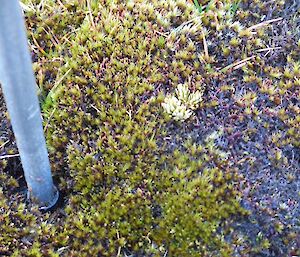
<point>131,184</point>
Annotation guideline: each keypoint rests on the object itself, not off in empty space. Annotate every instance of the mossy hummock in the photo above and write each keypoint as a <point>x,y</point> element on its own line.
<point>136,181</point>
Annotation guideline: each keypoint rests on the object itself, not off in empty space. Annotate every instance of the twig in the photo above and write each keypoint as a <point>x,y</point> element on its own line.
<point>4,144</point>
<point>160,33</point>
<point>268,49</point>
<point>52,91</point>
<point>216,21</point>
<point>48,121</point>
<point>119,248</point>
<point>25,7</point>
<point>62,249</point>
<point>60,80</point>
<point>9,156</point>
<point>236,64</point>
<point>239,66</point>
<point>264,23</point>
<point>37,45</point>
<point>51,37</point>
<point>205,45</point>
<point>94,107</point>
<point>90,13</point>
<point>65,37</point>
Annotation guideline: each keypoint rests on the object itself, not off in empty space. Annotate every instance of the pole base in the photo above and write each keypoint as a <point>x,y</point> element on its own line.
<point>49,205</point>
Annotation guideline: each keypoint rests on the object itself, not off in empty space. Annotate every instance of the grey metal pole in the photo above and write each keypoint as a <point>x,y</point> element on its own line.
<point>20,93</point>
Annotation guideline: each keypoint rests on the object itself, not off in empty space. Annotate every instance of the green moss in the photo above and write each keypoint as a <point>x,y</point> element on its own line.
<point>104,73</point>
<point>106,127</point>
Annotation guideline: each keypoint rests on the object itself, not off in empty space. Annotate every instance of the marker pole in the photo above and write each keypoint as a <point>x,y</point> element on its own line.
<point>20,94</point>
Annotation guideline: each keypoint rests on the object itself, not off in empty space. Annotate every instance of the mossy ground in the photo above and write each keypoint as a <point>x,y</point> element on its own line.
<point>133,181</point>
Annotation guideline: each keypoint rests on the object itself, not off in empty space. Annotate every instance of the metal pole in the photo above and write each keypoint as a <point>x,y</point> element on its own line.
<point>20,93</point>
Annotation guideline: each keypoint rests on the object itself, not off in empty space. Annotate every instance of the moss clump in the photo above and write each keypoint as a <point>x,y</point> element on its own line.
<point>135,183</point>
<point>107,126</point>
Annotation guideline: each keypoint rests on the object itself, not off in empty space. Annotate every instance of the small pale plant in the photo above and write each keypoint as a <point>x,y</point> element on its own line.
<point>181,105</point>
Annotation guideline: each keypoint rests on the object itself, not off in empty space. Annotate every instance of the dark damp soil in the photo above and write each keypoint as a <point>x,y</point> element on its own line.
<point>10,164</point>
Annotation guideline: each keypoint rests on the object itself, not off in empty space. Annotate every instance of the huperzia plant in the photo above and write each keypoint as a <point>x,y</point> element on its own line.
<point>181,106</point>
